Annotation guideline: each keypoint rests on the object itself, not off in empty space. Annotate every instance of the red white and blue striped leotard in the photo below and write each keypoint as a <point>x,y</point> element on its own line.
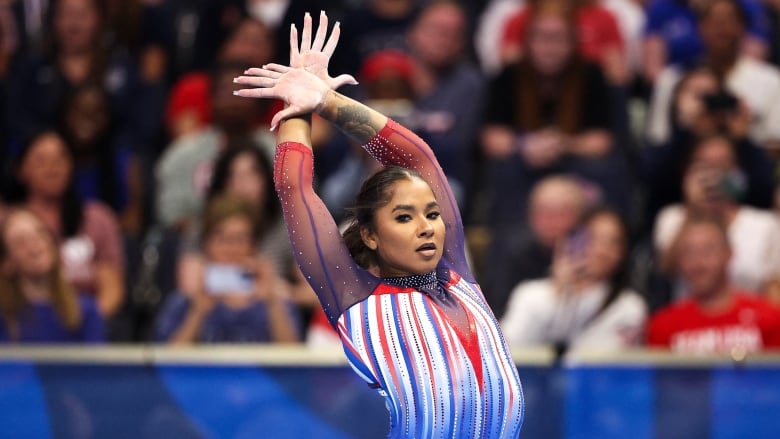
<point>444,374</point>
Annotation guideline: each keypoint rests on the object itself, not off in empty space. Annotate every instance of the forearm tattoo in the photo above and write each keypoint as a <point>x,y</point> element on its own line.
<point>354,118</point>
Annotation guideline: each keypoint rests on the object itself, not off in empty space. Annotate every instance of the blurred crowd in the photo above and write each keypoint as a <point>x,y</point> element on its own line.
<point>615,163</point>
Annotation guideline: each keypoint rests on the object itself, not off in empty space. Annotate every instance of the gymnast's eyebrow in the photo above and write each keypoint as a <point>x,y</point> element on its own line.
<point>429,206</point>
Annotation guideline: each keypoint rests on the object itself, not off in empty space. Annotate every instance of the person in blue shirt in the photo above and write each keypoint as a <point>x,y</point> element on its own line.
<point>237,295</point>
<point>37,304</point>
<point>672,35</point>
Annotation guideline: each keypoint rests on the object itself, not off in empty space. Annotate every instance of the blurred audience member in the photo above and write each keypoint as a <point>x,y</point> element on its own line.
<point>237,295</point>
<point>722,24</point>
<point>104,169</point>
<point>77,53</point>
<point>87,231</point>
<point>372,26</point>
<point>597,36</point>
<point>713,184</point>
<point>702,108</point>
<point>243,171</point>
<point>716,316</point>
<point>551,113</point>
<point>184,170</point>
<point>585,303</point>
<point>672,34</point>
<point>134,27</point>
<point>37,304</point>
<point>518,253</point>
<point>189,104</point>
<point>449,90</point>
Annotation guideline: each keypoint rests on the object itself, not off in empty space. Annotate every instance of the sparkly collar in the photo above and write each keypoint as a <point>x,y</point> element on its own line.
<point>427,283</point>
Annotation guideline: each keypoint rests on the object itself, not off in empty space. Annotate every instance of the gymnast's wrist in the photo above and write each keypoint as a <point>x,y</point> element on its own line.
<point>328,104</point>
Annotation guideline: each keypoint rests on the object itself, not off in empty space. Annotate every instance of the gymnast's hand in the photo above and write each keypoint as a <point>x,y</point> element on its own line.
<point>314,56</point>
<point>302,91</point>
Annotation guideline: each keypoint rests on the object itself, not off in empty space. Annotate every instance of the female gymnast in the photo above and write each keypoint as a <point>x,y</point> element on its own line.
<point>412,319</point>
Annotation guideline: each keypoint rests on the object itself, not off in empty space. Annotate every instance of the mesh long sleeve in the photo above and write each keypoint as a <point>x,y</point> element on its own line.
<point>317,244</point>
<point>396,145</point>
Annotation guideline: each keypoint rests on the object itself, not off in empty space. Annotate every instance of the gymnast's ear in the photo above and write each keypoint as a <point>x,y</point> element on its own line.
<point>369,238</point>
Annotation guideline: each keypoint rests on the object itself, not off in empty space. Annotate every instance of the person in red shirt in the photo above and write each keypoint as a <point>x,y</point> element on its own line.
<point>598,35</point>
<point>714,317</point>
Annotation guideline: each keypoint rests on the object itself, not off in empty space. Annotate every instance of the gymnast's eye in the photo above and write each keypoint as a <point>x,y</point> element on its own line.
<point>404,218</point>
<point>433,215</point>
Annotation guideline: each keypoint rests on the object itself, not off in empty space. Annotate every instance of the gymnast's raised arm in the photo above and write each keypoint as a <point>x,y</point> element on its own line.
<point>317,245</point>
<point>384,139</point>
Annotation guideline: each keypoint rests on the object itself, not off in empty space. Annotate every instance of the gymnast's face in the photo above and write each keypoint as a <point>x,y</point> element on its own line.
<point>408,234</point>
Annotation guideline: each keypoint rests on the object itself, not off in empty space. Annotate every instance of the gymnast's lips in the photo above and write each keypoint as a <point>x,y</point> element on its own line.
<point>428,249</point>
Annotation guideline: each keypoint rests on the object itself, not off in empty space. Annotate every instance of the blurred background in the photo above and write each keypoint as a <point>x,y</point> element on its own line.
<point>615,163</point>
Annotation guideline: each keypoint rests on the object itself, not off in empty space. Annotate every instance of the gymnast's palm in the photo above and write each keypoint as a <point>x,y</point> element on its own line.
<point>302,90</point>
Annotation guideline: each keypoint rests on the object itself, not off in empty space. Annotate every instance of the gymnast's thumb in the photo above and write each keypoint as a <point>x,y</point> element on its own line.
<point>340,80</point>
<point>280,116</point>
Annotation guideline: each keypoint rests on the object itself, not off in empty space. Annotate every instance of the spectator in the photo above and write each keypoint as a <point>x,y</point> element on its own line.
<point>713,184</point>
<point>598,35</point>
<point>716,316</point>
<point>722,25</point>
<point>244,171</point>
<point>585,303</point>
<point>189,106</point>
<point>551,113</point>
<point>238,296</point>
<point>374,25</point>
<point>134,27</point>
<point>702,108</point>
<point>672,34</point>
<point>37,304</point>
<point>87,232</point>
<point>104,170</point>
<point>184,170</point>
<point>556,204</point>
<point>76,54</point>
<point>443,79</point>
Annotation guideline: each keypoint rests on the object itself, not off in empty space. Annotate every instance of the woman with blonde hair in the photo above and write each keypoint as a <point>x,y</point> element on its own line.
<point>37,304</point>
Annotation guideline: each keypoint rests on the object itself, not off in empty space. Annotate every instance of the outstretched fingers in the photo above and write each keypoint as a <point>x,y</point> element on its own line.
<point>277,68</point>
<point>330,46</point>
<point>294,53</point>
<point>262,72</point>
<point>256,81</point>
<point>322,31</point>
<point>306,36</point>
<point>268,93</point>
